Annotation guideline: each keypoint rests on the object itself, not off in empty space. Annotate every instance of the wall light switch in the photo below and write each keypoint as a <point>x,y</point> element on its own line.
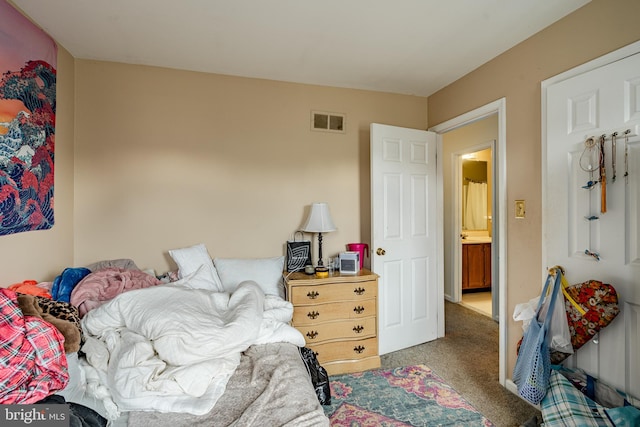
<point>520,209</point>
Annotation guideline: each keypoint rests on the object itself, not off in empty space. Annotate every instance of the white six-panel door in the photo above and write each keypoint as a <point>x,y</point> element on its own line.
<point>404,241</point>
<point>577,231</point>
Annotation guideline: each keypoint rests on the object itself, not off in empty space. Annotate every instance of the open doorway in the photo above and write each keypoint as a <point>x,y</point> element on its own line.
<point>492,115</point>
<point>475,194</point>
<point>468,162</point>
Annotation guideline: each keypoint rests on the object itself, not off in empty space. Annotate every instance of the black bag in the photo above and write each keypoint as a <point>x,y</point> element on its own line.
<point>319,376</point>
<point>298,253</point>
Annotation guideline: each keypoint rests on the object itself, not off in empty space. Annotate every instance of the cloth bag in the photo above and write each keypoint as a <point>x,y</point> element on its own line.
<point>533,365</point>
<point>590,306</point>
<point>298,253</point>
<point>595,306</point>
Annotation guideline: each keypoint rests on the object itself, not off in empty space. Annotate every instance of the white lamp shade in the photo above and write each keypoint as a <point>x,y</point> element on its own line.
<point>319,220</point>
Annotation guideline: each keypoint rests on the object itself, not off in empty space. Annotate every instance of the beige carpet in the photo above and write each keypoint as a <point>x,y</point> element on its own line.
<point>467,358</point>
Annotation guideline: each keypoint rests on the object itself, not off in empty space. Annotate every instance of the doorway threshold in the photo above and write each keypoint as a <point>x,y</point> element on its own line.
<point>478,301</point>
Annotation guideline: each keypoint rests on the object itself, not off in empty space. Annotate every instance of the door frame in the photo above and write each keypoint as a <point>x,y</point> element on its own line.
<point>499,234</point>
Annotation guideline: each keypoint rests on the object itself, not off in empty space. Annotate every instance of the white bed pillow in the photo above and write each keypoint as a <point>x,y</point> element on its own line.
<point>189,260</point>
<point>266,272</point>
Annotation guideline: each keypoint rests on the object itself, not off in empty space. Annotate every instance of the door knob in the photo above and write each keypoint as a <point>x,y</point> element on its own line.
<point>380,251</point>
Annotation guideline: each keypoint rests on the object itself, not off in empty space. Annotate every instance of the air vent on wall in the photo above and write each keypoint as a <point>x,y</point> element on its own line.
<point>328,122</point>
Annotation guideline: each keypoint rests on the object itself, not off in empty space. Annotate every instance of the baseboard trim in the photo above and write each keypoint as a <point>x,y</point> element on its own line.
<point>513,388</point>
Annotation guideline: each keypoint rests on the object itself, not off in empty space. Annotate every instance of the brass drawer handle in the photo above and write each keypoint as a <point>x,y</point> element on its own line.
<point>313,295</point>
<point>358,329</point>
<point>313,314</point>
<point>359,349</point>
<point>359,309</point>
<point>359,291</point>
<point>312,334</point>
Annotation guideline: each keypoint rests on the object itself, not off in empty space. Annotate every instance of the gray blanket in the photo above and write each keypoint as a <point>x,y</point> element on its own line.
<point>270,387</point>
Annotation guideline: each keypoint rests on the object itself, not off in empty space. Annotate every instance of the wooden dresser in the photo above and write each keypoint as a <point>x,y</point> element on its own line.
<point>338,317</point>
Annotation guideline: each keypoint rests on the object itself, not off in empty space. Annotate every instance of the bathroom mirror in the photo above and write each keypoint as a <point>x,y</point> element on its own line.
<point>474,195</point>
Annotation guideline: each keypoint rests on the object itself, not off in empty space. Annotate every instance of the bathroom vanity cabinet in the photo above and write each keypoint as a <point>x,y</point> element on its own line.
<point>476,266</point>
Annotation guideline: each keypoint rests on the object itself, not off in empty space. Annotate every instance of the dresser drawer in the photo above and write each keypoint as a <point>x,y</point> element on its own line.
<point>345,350</point>
<point>345,329</point>
<point>305,315</point>
<point>318,294</point>
<point>355,365</point>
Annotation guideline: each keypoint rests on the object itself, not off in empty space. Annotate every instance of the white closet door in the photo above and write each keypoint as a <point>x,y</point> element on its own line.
<point>601,101</point>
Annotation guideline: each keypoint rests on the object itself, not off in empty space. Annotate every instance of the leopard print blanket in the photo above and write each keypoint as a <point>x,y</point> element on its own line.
<point>62,315</point>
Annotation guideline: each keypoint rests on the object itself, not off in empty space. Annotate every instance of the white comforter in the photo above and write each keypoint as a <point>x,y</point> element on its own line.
<point>170,348</point>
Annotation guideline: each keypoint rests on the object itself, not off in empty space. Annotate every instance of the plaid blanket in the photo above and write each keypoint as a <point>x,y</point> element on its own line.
<point>566,406</point>
<point>33,363</point>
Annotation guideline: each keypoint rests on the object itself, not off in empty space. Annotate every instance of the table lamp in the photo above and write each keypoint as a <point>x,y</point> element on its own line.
<point>319,221</point>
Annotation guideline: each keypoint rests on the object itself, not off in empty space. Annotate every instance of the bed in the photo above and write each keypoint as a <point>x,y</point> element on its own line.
<point>210,346</point>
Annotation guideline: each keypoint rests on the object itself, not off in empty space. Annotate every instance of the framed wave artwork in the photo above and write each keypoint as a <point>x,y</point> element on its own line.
<point>27,123</point>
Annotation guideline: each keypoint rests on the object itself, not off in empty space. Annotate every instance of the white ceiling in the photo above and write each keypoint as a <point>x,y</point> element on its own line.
<point>403,46</point>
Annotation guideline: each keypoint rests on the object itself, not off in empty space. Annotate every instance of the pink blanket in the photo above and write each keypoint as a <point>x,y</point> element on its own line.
<point>33,364</point>
<point>103,285</point>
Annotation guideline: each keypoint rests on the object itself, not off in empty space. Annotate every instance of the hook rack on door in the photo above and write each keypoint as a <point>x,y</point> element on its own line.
<point>597,149</point>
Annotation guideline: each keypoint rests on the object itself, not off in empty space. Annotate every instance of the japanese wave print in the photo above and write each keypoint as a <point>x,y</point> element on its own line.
<point>27,124</point>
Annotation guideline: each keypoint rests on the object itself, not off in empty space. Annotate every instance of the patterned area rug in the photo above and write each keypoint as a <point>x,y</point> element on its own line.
<point>408,396</point>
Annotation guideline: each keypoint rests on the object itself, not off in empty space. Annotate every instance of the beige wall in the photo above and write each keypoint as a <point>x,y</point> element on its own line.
<point>168,158</point>
<point>592,31</point>
<point>40,255</point>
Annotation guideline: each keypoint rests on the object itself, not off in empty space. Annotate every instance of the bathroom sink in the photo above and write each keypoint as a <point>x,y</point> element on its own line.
<point>476,239</point>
